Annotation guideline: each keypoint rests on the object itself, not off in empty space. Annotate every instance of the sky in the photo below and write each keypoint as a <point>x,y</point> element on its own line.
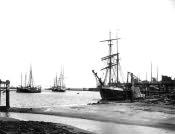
<point>54,34</point>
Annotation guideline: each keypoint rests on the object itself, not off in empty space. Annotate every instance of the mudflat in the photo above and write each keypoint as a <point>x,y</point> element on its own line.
<point>36,127</point>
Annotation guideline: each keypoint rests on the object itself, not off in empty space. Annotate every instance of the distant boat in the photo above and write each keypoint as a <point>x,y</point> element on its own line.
<point>110,88</point>
<point>29,88</point>
<point>59,85</point>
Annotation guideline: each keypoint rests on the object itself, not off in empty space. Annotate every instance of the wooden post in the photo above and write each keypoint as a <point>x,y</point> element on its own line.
<point>7,94</point>
<point>132,87</point>
<point>0,94</point>
<point>6,85</point>
<point>0,91</point>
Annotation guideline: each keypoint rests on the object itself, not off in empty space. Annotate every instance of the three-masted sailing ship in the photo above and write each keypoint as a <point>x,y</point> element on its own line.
<point>28,88</point>
<point>59,85</point>
<point>110,88</point>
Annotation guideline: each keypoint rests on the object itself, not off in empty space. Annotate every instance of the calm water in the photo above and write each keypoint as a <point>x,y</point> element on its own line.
<point>51,99</point>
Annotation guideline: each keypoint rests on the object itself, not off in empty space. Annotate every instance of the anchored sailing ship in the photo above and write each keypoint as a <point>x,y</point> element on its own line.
<point>110,88</point>
<point>59,85</point>
<point>28,88</point>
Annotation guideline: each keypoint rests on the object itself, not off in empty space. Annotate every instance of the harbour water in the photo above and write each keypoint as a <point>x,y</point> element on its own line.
<point>48,99</point>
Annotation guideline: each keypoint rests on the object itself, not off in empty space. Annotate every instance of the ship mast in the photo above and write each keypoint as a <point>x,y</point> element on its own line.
<point>151,71</point>
<point>110,56</point>
<point>110,59</point>
<point>56,81</point>
<point>117,60</point>
<point>25,80</point>
<point>21,79</point>
<point>157,73</point>
<point>30,78</point>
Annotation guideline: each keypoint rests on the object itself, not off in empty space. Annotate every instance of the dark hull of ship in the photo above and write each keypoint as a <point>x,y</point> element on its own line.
<point>58,90</point>
<point>28,90</point>
<point>115,95</point>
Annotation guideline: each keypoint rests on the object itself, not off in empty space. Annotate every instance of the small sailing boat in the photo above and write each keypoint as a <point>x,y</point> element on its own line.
<point>110,88</point>
<point>28,88</point>
<point>59,85</point>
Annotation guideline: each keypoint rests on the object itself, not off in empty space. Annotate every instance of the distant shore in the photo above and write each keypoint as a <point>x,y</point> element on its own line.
<point>79,89</point>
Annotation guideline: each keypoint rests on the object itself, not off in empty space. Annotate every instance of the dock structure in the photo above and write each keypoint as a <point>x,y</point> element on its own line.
<point>4,87</point>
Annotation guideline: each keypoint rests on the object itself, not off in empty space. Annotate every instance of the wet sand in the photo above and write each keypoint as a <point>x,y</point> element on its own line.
<point>96,127</point>
<point>14,126</point>
<point>133,114</point>
<point>141,114</point>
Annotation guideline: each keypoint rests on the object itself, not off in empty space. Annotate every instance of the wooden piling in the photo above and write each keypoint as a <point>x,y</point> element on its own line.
<point>7,94</point>
<point>6,85</point>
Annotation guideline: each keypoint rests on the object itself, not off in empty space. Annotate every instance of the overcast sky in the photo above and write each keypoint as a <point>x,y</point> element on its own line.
<point>50,34</point>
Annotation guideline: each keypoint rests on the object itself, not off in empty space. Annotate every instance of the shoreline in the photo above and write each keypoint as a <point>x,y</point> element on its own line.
<point>135,114</point>
<point>141,114</point>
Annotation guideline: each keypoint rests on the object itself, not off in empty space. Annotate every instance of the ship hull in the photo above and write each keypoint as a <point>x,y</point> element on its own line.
<point>58,90</point>
<point>28,90</point>
<point>111,94</point>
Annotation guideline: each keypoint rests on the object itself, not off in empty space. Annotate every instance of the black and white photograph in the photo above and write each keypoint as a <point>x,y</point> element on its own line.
<point>87,66</point>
